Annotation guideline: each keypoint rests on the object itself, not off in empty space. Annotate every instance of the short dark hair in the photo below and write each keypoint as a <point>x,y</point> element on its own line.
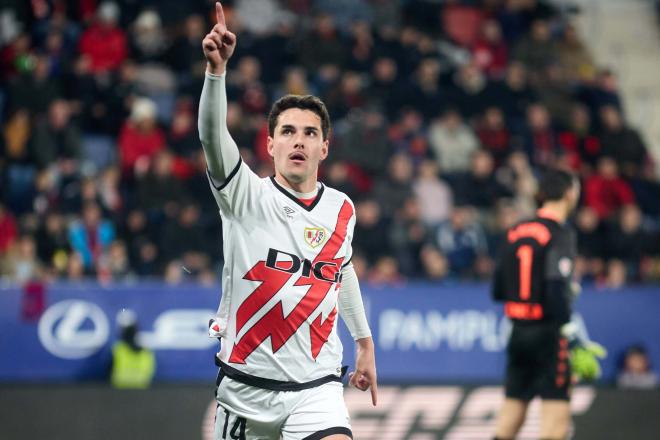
<point>554,184</point>
<point>303,102</point>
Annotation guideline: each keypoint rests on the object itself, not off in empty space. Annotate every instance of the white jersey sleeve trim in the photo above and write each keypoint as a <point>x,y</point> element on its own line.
<point>351,308</point>
<point>219,186</point>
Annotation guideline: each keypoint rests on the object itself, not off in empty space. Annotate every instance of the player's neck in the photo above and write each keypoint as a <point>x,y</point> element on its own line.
<point>305,189</point>
<point>555,210</point>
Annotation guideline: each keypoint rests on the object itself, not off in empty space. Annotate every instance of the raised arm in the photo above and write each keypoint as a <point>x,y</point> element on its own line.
<point>220,149</point>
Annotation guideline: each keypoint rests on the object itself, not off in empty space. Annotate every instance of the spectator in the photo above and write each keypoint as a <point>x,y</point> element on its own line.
<point>517,176</point>
<point>140,138</point>
<point>18,167</point>
<point>35,89</point>
<point>182,135</point>
<point>470,92</point>
<point>622,143</point>
<point>184,235</point>
<point>625,239</point>
<point>646,187</point>
<point>91,236</point>
<point>513,95</point>
<point>394,189</point>
<point>574,57</point>
<point>615,276</point>
<point>541,141</point>
<point>579,142</point>
<point>385,271</point>
<point>53,246</point>
<point>104,42</point>
<point>452,142</point>
<point>436,266</point>
<point>462,241</point>
<point>425,94</point>
<point>408,234</point>
<point>57,137</point>
<point>174,274</point>
<point>556,94</point>
<point>434,196</point>
<point>338,177</point>
<point>606,192</point>
<point>490,53</point>
<point>158,190</point>
<point>407,136</point>
<point>590,262</point>
<point>461,22</point>
<point>21,264</point>
<point>184,55</point>
<point>385,90</point>
<point>115,265</point>
<point>148,41</point>
<point>347,94</point>
<point>346,12</point>
<point>479,187</point>
<point>276,50</point>
<point>637,372</point>
<point>322,44</point>
<point>370,237</point>
<point>260,17</point>
<point>494,134</point>
<point>109,191</point>
<point>602,92</point>
<point>536,50</point>
<point>363,143</point>
<point>362,50</point>
<point>294,83</point>
<point>142,252</point>
<point>75,269</point>
<point>246,87</point>
<point>79,192</point>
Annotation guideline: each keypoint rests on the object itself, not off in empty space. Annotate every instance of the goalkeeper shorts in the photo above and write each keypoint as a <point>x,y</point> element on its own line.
<point>538,363</point>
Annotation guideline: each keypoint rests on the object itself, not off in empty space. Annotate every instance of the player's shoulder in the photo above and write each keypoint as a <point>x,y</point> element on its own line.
<point>335,196</point>
<point>541,229</point>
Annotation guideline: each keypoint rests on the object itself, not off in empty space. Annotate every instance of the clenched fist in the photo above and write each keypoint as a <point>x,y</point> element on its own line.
<point>219,44</point>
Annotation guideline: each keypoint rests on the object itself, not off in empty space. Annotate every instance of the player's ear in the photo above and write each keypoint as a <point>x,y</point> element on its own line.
<point>269,146</point>
<point>324,149</point>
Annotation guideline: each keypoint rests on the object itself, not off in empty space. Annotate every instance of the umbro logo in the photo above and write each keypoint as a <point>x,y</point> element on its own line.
<point>289,212</point>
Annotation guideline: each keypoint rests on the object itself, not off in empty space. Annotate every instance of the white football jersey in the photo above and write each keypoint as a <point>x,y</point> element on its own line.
<point>283,261</point>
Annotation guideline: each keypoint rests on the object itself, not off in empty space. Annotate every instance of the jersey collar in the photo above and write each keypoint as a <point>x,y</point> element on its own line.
<point>544,213</point>
<point>309,207</point>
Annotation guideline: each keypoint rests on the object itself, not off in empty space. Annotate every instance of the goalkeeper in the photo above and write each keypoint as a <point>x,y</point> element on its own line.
<point>533,280</point>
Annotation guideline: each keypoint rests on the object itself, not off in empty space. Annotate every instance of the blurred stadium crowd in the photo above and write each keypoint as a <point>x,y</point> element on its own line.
<point>444,113</point>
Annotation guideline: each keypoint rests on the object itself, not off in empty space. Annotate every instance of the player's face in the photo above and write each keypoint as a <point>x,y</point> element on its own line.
<point>297,147</point>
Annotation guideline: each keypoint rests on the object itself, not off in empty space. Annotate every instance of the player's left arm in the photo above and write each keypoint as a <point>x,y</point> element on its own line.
<point>560,294</point>
<point>351,309</point>
<point>559,261</point>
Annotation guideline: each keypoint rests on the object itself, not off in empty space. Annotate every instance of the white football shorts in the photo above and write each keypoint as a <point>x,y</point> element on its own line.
<point>246,412</point>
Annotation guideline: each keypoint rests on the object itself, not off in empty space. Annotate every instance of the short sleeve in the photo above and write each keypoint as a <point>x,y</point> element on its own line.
<point>560,256</point>
<point>239,193</point>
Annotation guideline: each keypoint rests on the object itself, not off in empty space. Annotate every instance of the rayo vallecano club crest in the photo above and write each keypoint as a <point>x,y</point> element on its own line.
<point>315,236</point>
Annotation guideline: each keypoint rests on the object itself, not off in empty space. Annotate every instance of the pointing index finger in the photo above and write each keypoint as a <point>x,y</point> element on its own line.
<point>219,14</point>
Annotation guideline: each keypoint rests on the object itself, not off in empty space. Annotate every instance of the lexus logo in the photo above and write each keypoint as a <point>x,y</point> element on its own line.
<point>73,329</point>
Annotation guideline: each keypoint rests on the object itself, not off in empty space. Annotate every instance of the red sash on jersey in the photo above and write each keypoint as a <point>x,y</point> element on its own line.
<point>274,323</point>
